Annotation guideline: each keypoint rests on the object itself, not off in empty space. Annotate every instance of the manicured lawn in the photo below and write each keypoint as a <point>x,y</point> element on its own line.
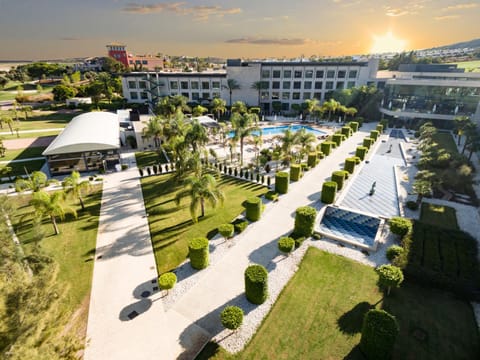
<point>148,158</point>
<point>26,153</point>
<point>319,315</point>
<point>470,65</point>
<point>446,141</point>
<point>28,135</point>
<point>438,215</point>
<point>38,120</point>
<point>18,168</point>
<point>171,226</point>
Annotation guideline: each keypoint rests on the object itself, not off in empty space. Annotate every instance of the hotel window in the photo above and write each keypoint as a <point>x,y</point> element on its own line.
<point>296,96</point>
<point>307,85</point>
<point>319,74</point>
<point>142,85</point>
<point>185,94</point>
<point>352,74</point>
<point>297,84</point>
<point>144,62</point>
<point>298,74</point>
<point>215,95</point>
<point>264,95</point>
<point>286,85</point>
<point>216,85</point>
<point>287,74</point>
<point>350,84</point>
<point>184,85</point>
<point>195,96</point>
<point>134,95</point>
<point>306,95</point>
<point>275,84</point>
<point>330,74</point>
<point>194,85</point>
<point>276,74</point>
<point>205,95</point>
<point>329,85</point>
<point>340,85</point>
<point>265,74</point>
<point>308,74</point>
<point>318,84</point>
<point>132,84</point>
<point>285,106</point>
<point>173,85</point>
<point>317,95</point>
<point>205,85</point>
<point>275,95</point>
<point>341,74</point>
<point>285,96</point>
<point>264,84</point>
<point>144,95</point>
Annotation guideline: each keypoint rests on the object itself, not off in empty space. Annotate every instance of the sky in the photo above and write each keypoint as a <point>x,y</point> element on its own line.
<point>53,29</point>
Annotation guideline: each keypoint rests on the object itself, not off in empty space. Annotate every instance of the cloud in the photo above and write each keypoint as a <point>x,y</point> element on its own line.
<point>412,7</point>
<point>396,12</point>
<point>461,6</point>
<point>269,41</point>
<point>199,12</point>
<point>446,17</point>
<point>68,38</point>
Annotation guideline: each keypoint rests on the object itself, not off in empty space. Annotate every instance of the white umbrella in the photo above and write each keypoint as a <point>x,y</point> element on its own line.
<point>456,110</point>
<point>404,106</point>
<point>390,105</point>
<point>434,107</point>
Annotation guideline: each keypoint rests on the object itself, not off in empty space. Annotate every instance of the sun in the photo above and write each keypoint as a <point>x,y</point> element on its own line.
<point>387,43</point>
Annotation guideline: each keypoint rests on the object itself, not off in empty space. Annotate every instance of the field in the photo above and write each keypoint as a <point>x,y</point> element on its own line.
<point>470,65</point>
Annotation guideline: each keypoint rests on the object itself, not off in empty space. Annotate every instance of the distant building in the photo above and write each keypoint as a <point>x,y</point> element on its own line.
<point>118,52</point>
<point>136,62</point>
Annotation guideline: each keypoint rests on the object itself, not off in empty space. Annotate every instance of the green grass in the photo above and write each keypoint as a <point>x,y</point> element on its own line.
<point>446,141</point>
<point>39,120</point>
<point>26,153</point>
<point>470,65</point>
<point>438,215</point>
<point>319,314</point>
<point>171,226</point>
<point>28,135</point>
<point>18,168</point>
<point>148,158</point>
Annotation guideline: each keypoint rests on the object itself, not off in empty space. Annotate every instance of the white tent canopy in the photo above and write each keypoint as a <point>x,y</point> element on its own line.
<point>93,131</point>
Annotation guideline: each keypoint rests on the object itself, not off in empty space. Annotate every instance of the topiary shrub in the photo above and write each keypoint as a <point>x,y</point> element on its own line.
<point>281,182</point>
<point>286,244</point>
<point>367,142</point>
<point>253,208</point>
<point>304,220</point>
<point>379,128</point>
<point>345,173</point>
<point>412,205</point>
<point>350,165</point>
<point>320,155</point>
<point>326,148</point>
<point>394,251</point>
<point>198,252</point>
<point>389,276</point>
<point>361,151</point>
<point>256,284</point>
<point>231,317</point>
<point>240,225</point>
<point>379,331</point>
<point>357,160</point>
<point>226,230</point>
<point>312,160</point>
<point>329,191</point>
<point>167,281</point>
<point>347,131</point>
<point>374,135</point>
<point>337,139</point>
<point>271,195</point>
<point>295,172</point>
<point>353,125</point>
<point>339,178</point>
<point>400,226</point>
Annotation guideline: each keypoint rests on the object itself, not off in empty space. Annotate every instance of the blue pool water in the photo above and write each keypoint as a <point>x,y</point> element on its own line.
<point>277,130</point>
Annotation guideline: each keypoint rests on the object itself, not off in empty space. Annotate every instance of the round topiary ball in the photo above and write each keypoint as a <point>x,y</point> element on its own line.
<point>198,252</point>
<point>256,284</point>
<point>231,317</point>
<point>379,331</point>
<point>394,251</point>
<point>400,226</point>
<point>226,230</point>
<point>286,244</point>
<point>167,281</point>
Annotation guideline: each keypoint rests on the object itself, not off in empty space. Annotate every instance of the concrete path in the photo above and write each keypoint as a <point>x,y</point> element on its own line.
<point>31,131</point>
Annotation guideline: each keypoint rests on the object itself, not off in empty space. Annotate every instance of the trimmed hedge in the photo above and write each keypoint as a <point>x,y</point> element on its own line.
<point>353,125</point>
<point>256,284</point>
<point>379,331</point>
<point>253,208</point>
<point>361,152</point>
<point>240,225</point>
<point>394,251</point>
<point>286,244</point>
<point>337,139</point>
<point>167,281</point>
<point>231,317</point>
<point>347,131</point>
<point>198,252</point>
<point>281,182</point>
<point>320,155</point>
<point>326,148</point>
<point>412,205</point>
<point>271,195</point>
<point>399,225</point>
<point>295,172</point>
<point>367,142</point>
<point>329,190</point>
<point>304,221</point>
<point>312,160</point>
<point>350,165</point>
<point>226,230</point>
<point>374,135</point>
<point>379,128</point>
<point>339,177</point>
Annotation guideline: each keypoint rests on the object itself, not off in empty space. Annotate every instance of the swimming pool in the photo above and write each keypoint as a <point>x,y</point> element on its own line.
<point>277,130</point>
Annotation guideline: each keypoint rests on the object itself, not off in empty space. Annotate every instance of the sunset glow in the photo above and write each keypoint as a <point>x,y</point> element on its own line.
<point>387,43</point>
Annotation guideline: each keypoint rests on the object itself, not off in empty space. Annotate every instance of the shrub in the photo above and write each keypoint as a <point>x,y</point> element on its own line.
<point>329,190</point>
<point>256,284</point>
<point>198,252</point>
<point>312,160</point>
<point>305,167</point>
<point>345,173</point>
<point>374,135</point>
<point>226,230</point>
<point>379,332</point>
<point>281,182</point>
<point>350,165</point>
<point>295,172</point>
<point>140,170</point>
<point>357,159</point>
<point>347,131</point>
<point>124,166</point>
<point>304,221</point>
<point>379,128</point>
<point>388,276</point>
<point>326,147</point>
<point>253,208</point>
<point>240,225</point>
<point>231,317</point>
<point>412,205</point>
<point>257,178</point>
<point>367,142</point>
<point>320,155</point>
<point>339,178</point>
<point>167,281</point>
<point>400,226</point>
<point>361,152</point>
<point>269,181</point>
<point>298,241</point>
<point>394,251</point>
<point>235,171</point>
<point>337,139</point>
<point>353,125</point>
<point>286,244</point>
<point>271,195</point>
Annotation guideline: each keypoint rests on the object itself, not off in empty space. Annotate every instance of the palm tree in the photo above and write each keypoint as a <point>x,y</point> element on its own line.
<point>422,188</point>
<point>350,111</point>
<point>35,182</point>
<point>310,105</point>
<point>200,189</point>
<point>232,84</point>
<point>218,106</point>
<point>52,205</point>
<point>461,122</point>
<point>242,127</point>
<point>9,121</point>
<point>259,86</point>
<point>232,144</point>
<point>199,110</point>
<point>239,107</point>
<point>288,139</point>
<point>186,162</point>
<point>331,106</point>
<point>26,110</point>
<point>72,185</point>
<point>196,135</point>
<point>342,109</point>
<point>154,129</point>
<point>305,139</point>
